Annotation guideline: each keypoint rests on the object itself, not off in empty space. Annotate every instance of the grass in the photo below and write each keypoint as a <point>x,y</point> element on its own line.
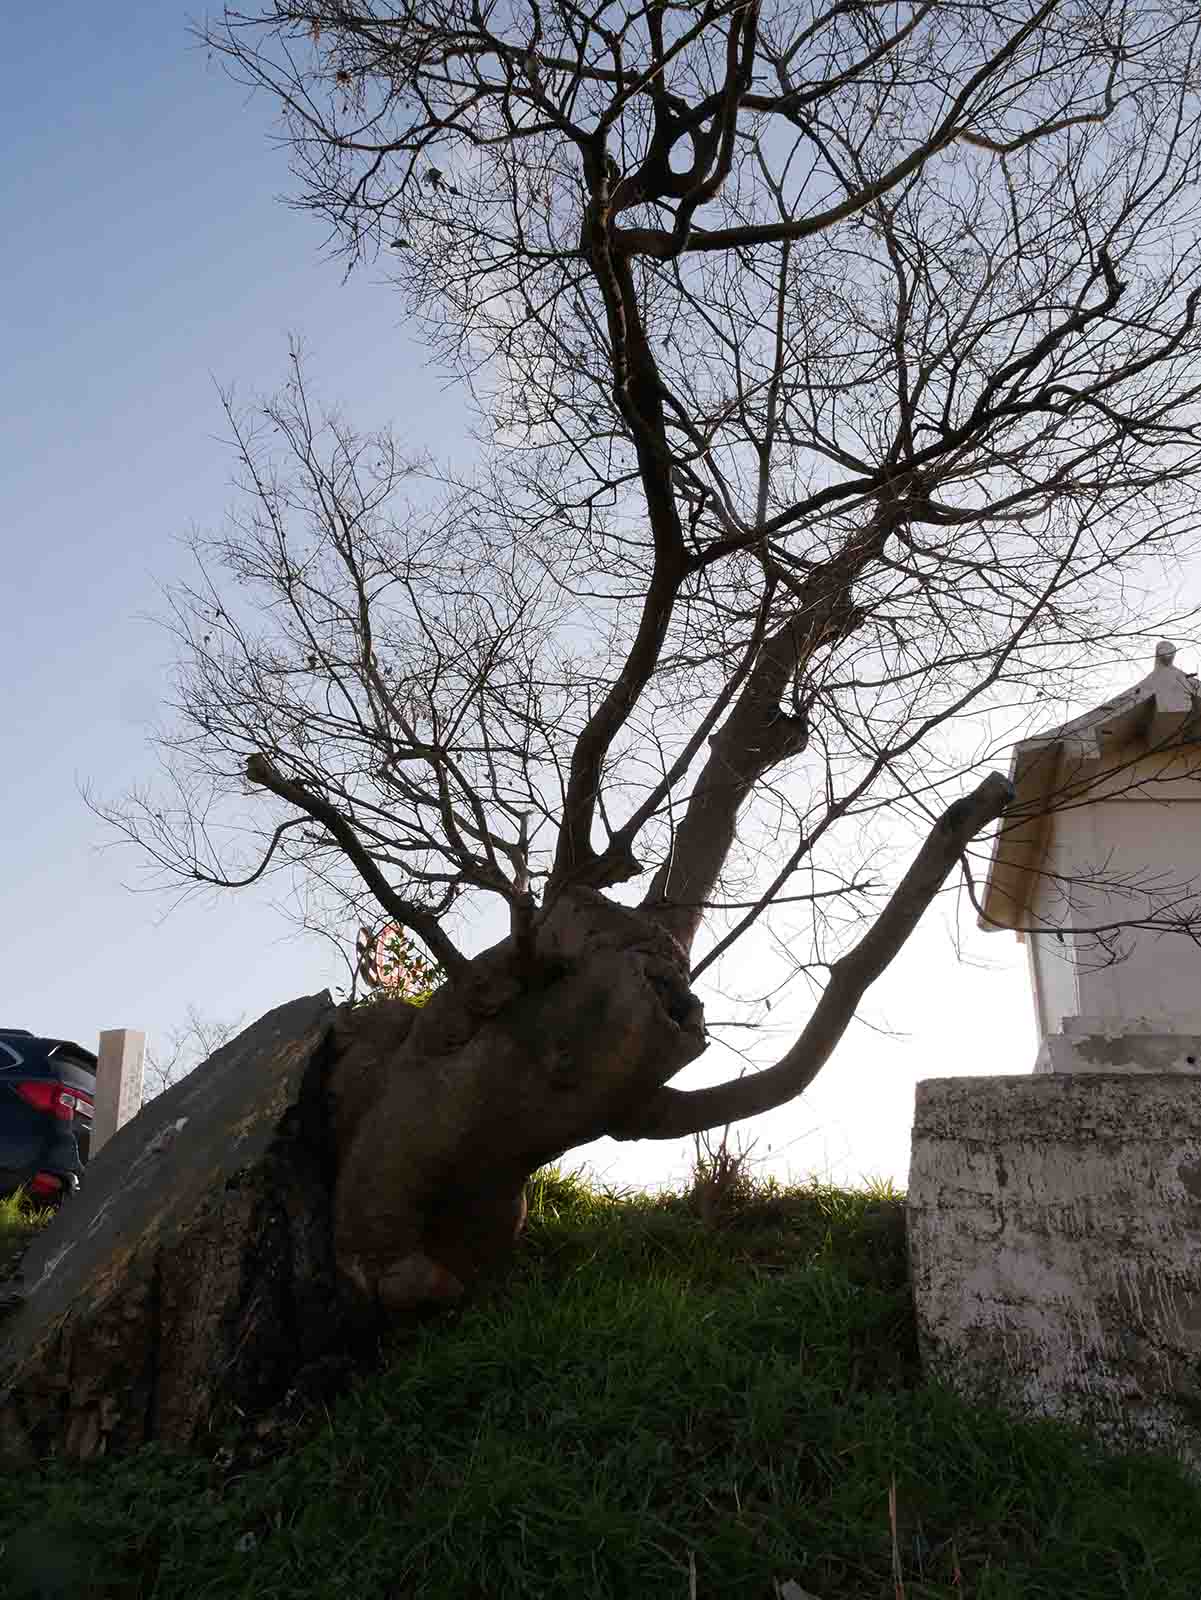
<point>20,1220</point>
<point>649,1406</point>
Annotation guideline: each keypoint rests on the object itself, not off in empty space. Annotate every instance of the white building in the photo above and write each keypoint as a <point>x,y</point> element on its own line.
<point>1097,867</point>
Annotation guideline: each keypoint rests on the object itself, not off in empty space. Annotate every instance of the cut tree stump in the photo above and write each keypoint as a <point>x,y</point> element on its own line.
<point>194,1274</point>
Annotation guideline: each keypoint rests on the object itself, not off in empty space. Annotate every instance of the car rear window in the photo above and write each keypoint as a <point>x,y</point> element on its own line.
<point>63,1053</point>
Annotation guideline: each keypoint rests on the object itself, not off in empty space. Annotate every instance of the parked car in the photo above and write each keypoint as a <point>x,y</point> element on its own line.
<point>47,1092</point>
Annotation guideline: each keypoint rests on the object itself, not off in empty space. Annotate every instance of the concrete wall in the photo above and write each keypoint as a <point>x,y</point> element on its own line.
<point>1153,847</point>
<point>1115,1044</point>
<point>1053,980</point>
<point>1055,1242</point>
<point>1052,958</point>
<point>1129,854</point>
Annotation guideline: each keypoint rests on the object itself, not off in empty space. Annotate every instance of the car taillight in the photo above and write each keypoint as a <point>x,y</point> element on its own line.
<point>43,1186</point>
<point>46,1095</point>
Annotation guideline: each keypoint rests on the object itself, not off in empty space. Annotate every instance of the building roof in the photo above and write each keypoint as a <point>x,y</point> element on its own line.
<point>1158,711</point>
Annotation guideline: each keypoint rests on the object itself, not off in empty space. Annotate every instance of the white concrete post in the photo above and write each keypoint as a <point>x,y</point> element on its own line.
<point>118,1083</point>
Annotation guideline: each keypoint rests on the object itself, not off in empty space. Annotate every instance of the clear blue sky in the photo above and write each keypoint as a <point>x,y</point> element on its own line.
<point>148,257</point>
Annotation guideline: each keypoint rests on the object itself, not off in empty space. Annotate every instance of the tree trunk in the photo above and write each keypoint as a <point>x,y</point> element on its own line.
<point>324,1170</point>
<point>441,1115</point>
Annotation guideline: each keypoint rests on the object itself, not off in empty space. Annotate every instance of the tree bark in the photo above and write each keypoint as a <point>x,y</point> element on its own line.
<point>492,1083</point>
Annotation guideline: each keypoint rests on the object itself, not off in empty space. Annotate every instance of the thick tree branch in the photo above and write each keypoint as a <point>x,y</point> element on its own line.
<point>767,726</point>
<point>675,1113</point>
<point>427,928</point>
<point>759,733</point>
<point>638,394</point>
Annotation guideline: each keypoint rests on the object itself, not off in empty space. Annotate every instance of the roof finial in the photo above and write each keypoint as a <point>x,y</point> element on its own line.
<point>1165,653</point>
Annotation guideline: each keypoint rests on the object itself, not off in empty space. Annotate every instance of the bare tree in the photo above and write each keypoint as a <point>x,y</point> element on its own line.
<point>837,377</point>
<point>186,1045</point>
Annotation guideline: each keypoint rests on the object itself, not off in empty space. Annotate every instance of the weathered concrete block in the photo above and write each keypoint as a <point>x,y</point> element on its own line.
<point>119,1075</point>
<point>1055,1246</point>
<point>1121,1044</point>
<point>194,1273</point>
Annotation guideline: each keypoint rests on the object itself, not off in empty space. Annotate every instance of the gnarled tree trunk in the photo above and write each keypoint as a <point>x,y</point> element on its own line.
<point>440,1115</point>
<point>326,1169</point>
